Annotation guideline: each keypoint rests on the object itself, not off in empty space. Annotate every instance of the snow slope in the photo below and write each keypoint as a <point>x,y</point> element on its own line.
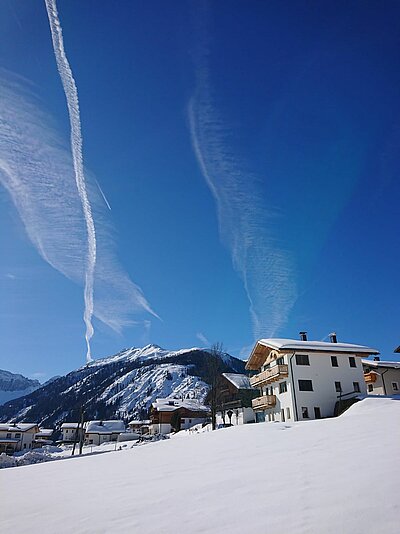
<point>120,386</point>
<point>13,386</point>
<point>325,477</point>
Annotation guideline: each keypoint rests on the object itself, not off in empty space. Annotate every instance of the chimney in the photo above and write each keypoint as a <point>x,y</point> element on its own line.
<point>303,336</point>
<point>333,337</point>
<point>377,359</point>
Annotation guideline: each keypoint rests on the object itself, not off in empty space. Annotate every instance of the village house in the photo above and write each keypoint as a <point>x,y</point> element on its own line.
<point>234,400</point>
<point>16,437</point>
<point>43,437</point>
<point>98,432</point>
<point>301,379</point>
<point>139,427</point>
<point>382,378</point>
<point>71,433</point>
<point>171,415</point>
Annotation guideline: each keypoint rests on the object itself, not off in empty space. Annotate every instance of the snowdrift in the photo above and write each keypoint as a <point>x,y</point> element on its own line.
<point>328,476</point>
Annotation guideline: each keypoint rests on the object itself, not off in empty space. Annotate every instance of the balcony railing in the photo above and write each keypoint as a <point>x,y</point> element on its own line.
<point>269,375</point>
<point>370,377</point>
<point>264,402</point>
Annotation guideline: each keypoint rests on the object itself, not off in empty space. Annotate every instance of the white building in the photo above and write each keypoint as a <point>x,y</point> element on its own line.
<point>301,379</point>
<point>16,437</point>
<point>382,378</point>
<point>71,433</point>
<point>138,426</point>
<point>98,432</point>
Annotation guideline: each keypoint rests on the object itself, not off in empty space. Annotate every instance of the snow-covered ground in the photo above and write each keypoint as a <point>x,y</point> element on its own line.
<point>329,476</point>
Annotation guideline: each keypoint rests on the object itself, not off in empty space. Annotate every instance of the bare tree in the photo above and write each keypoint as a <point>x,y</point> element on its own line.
<point>214,369</point>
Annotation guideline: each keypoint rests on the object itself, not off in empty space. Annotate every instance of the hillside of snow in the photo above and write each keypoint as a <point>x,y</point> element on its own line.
<point>121,386</point>
<point>13,386</point>
<point>318,477</point>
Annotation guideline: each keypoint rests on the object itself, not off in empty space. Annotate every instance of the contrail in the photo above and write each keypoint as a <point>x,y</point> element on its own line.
<point>247,226</point>
<point>104,196</point>
<point>71,95</point>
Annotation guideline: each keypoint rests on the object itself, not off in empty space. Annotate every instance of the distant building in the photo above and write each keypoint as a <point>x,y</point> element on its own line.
<point>168,415</point>
<point>235,396</point>
<point>139,426</point>
<point>43,437</point>
<point>71,433</point>
<point>301,379</point>
<point>16,437</point>
<point>382,378</point>
<point>98,432</point>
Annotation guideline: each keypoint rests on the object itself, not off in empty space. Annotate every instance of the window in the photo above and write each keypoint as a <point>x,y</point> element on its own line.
<point>302,359</point>
<point>395,386</point>
<point>317,412</point>
<point>304,412</point>
<point>17,435</point>
<point>356,387</point>
<point>370,387</point>
<point>273,416</point>
<point>283,415</point>
<point>288,413</point>
<point>8,436</point>
<point>352,361</point>
<point>190,420</point>
<point>334,361</point>
<point>338,387</point>
<point>182,421</point>
<point>305,385</point>
<point>280,361</point>
<point>282,387</point>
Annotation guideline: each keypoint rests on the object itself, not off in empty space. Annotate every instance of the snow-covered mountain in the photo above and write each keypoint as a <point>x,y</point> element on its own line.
<point>123,385</point>
<point>13,386</point>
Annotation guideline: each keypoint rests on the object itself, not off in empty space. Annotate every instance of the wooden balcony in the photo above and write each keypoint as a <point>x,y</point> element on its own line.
<point>270,375</point>
<point>370,377</point>
<point>264,402</point>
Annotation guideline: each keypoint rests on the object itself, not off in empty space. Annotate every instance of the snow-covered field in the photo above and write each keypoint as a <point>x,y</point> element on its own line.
<point>329,476</point>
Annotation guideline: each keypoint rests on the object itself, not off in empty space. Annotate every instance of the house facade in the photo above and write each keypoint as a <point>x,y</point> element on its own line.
<point>71,433</point>
<point>15,437</point>
<point>235,397</point>
<point>301,379</point>
<point>382,378</point>
<point>98,432</point>
<point>171,415</point>
<point>139,426</point>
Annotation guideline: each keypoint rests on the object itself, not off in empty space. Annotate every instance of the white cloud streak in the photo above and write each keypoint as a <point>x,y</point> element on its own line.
<point>71,95</point>
<point>201,337</point>
<point>37,171</point>
<point>247,225</point>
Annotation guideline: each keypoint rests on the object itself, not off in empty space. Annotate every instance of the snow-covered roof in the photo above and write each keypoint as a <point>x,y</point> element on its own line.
<point>45,432</point>
<point>139,422</point>
<point>170,405</point>
<point>240,381</point>
<point>104,427</point>
<point>380,363</point>
<point>320,346</point>
<point>69,425</point>
<point>17,427</point>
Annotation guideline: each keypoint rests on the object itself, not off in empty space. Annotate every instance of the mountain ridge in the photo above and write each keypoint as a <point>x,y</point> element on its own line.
<point>122,385</point>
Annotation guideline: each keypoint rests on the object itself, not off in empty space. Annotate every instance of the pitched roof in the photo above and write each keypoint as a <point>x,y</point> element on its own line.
<point>319,346</point>
<point>381,363</point>
<point>17,427</point>
<point>171,404</point>
<point>104,427</point>
<point>240,381</point>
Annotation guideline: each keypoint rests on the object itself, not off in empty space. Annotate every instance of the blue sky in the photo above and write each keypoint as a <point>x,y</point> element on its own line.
<point>249,153</point>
